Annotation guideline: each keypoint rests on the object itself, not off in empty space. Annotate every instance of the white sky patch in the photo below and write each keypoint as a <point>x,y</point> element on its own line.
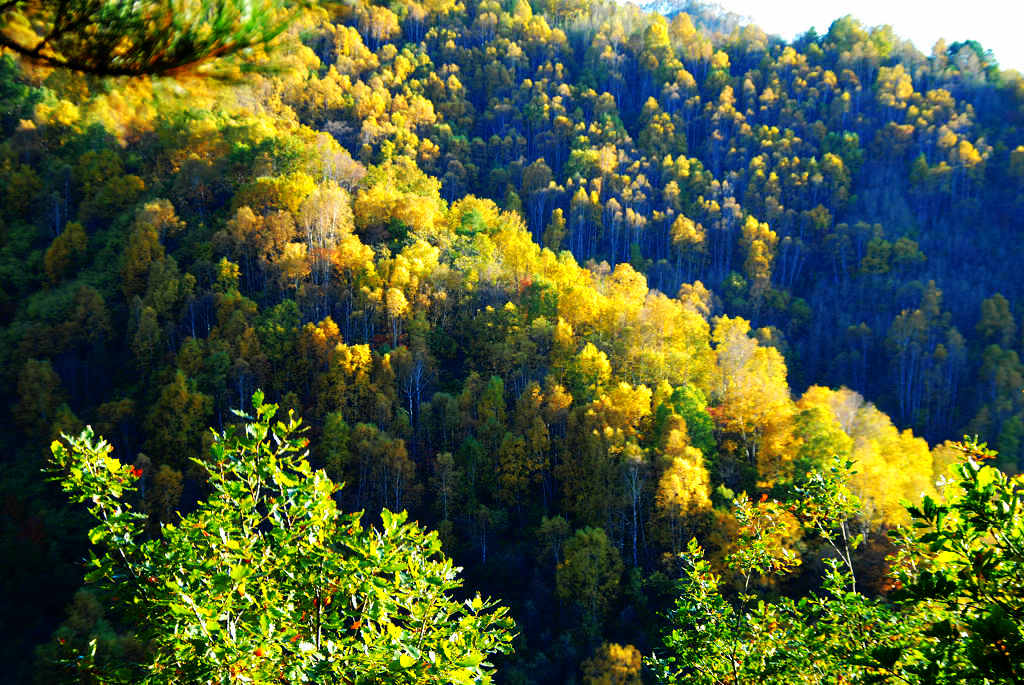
<point>996,24</point>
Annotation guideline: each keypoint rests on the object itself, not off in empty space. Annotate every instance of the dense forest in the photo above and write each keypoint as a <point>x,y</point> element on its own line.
<point>566,280</point>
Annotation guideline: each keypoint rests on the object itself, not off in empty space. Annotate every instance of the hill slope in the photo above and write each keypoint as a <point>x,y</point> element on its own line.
<point>544,275</point>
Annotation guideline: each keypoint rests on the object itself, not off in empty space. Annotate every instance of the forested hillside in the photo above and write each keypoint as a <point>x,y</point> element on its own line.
<point>560,279</point>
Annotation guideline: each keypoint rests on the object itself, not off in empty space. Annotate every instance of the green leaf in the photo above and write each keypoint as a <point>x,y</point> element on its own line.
<point>406,661</point>
<point>463,677</point>
<point>986,476</point>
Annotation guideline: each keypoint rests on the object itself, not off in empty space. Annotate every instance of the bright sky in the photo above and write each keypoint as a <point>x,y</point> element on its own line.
<point>996,24</point>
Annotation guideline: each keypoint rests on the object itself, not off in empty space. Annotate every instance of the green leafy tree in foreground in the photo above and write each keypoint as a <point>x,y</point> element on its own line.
<point>964,559</point>
<point>958,616</point>
<point>267,581</point>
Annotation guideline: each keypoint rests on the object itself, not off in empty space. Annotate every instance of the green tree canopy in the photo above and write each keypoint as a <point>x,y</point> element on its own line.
<point>956,617</point>
<point>267,581</point>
